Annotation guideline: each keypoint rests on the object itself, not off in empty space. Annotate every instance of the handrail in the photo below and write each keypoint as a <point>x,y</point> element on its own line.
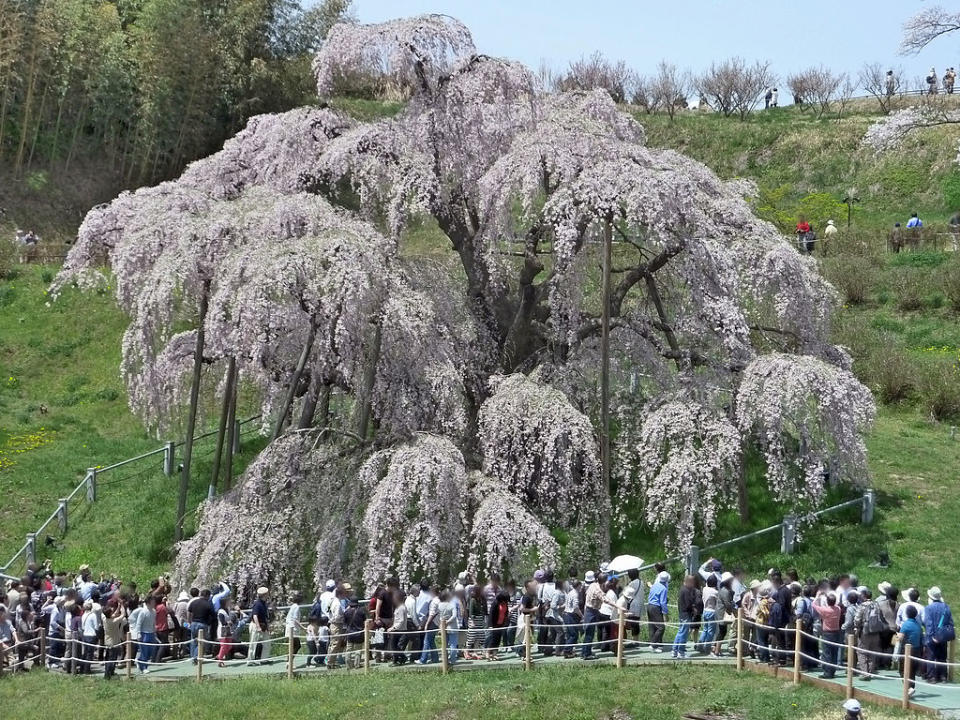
<point>85,483</point>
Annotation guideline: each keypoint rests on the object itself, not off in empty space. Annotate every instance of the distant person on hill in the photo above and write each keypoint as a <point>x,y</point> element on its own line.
<point>896,238</point>
<point>774,101</point>
<point>829,233</point>
<point>932,82</point>
<point>914,222</point>
<point>768,99</point>
<point>948,80</point>
<point>891,83</point>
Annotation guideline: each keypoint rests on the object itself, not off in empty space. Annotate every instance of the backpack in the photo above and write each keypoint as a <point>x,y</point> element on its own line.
<point>806,614</point>
<point>874,623</point>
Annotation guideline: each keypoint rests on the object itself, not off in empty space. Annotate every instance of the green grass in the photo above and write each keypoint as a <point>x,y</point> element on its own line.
<point>661,693</point>
<point>63,357</point>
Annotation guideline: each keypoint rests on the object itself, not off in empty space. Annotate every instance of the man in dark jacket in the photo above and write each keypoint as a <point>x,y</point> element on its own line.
<point>938,623</point>
<point>687,611</point>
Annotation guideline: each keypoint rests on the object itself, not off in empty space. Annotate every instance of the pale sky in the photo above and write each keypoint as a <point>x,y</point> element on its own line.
<point>792,34</point>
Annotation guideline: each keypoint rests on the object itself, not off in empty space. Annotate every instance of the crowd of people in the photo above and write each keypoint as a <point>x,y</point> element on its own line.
<point>86,621</point>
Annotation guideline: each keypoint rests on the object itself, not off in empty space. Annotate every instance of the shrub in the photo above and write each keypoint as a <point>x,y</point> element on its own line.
<point>950,283</point>
<point>853,276</point>
<point>939,386</point>
<point>46,276</point>
<point>890,372</point>
<point>908,287</point>
<point>8,259</point>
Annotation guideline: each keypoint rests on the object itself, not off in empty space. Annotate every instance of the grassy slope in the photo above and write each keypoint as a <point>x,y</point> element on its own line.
<point>663,693</point>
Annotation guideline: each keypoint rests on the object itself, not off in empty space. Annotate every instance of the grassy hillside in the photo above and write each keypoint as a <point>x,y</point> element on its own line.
<point>572,693</point>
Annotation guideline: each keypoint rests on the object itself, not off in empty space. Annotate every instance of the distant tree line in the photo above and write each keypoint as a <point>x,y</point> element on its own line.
<point>148,84</point>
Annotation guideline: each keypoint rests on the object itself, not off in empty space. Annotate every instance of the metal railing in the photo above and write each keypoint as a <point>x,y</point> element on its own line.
<point>787,529</point>
<point>87,490</point>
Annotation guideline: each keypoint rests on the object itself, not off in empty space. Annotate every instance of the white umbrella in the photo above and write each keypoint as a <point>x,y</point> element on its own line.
<point>622,563</point>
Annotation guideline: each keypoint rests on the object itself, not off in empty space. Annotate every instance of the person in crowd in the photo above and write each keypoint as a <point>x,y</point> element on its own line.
<point>448,616</point>
<point>708,627</point>
<point>726,611</point>
<point>831,616</point>
<point>686,611</point>
<point>147,631</point>
<point>90,626</point>
<point>932,82</point>
<point>259,628</point>
<point>896,238</point>
<point>225,628</point>
<point>398,632</point>
<point>201,618</point>
<point>27,632</point>
<point>555,600</point>
<point>593,601</point>
<point>354,620</point>
<point>887,601</point>
<point>608,613</point>
<point>938,622</point>
<point>292,625</point>
<point>114,624</point>
<point>165,623</point>
<point>572,616</point>
<point>914,223</point>
<point>830,233</point>
<point>911,598</point>
<point>768,98</point>
<point>477,612</point>
<point>636,610</point>
<point>803,231</point>
<point>497,622</point>
<point>337,620</point>
<point>911,633</point>
<point>430,626</point>
<point>8,637</point>
<point>182,631</point>
<point>869,625</point>
<point>750,602</point>
<point>658,610</point>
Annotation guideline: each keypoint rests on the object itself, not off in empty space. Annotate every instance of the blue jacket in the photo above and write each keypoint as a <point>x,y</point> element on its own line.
<point>935,616</point>
<point>912,632</point>
<point>658,596</point>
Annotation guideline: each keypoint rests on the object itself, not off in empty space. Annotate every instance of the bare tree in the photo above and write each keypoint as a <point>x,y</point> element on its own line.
<point>816,88</point>
<point>749,85</point>
<point>548,76</point>
<point>926,26</point>
<point>718,84</point>
<point>641,92</point>
<point>669,88</point>
<point>848,86</point>
<point>597,71</point>
<point>882,84</point>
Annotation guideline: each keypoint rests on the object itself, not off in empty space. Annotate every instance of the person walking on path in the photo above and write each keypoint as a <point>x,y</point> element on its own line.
<point>831,615</point>
<point>938,621</point>
<point>224,631</point>
<point>869,625</point>
<point>658,610</point>
<point>147,626</point>
<point>591,613</point>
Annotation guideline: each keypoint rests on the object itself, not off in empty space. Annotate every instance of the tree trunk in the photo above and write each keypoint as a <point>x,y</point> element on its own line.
<point>76,133</point>
<point>605,359</point>
<point>231,436</point>
<point>743,498</point>
<point>369,378</point>
<point>192,416</point>
<point>222,429</point>
<point>27,103</point>
<point>36,132</point>
<point>319,393</point>
<point>294,382</point>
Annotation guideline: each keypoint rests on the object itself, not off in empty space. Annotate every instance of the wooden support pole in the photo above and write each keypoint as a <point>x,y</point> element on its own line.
<point>43,647</point>
<point>290,653</point>
<point>850,662</point>
<point>907,665</point>
<point>951,657</point>
<point>797,642</point>
<point>444,660</point>
<point>740,663</point>
<point>200,651</point>
<point>527,643</point>
<point>366,645</point>
<point>605,355</point>
<point>129,663</point>
<point>621,627</point>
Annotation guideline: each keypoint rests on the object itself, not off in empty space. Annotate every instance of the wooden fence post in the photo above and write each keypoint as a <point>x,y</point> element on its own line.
<point>200,651</point>
<point>444,660</point>
<point>850,662</point>
<point>907,666</point>
<point>797,642</point>
<point>740,663</point>
<point>527,642</point>
<point>290,653</point>
<point>43,648</point>
<point>129,645</point>
<point>366,645</point>
<point>621,627</point>
<point>951,657</point>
